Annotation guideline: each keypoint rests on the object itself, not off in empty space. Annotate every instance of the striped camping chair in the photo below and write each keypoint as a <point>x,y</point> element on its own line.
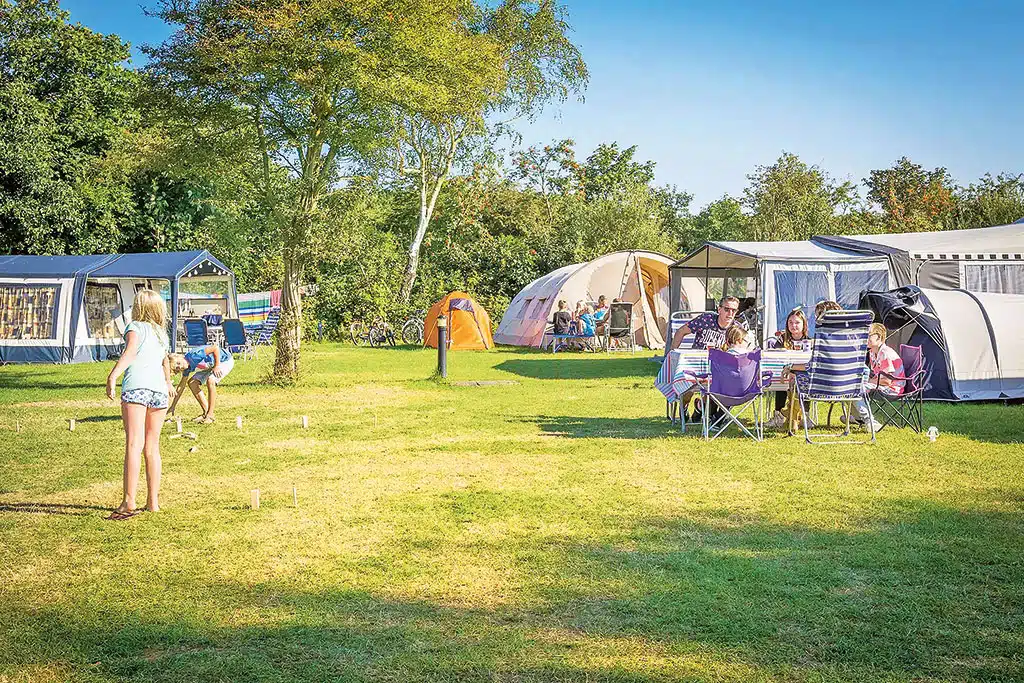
<point>837,372</point>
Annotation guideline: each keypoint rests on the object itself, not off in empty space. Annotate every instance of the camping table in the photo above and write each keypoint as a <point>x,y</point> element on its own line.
<point>672,382</point>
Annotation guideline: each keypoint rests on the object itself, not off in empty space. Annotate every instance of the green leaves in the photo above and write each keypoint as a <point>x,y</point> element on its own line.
<point>66,100</point>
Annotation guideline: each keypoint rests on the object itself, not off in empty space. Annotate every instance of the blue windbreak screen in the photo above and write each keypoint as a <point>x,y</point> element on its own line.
<point>850,283</point>
<point>798,288</point>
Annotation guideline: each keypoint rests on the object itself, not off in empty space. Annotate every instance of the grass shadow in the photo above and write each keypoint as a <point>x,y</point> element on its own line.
<point>68,509</point>
<point>564,366</point>
<point>576,427</point>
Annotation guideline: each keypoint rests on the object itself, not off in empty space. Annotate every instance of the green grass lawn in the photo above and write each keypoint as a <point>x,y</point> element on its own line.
<point>557,528</point>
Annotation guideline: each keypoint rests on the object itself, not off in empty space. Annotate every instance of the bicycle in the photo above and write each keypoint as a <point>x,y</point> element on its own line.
<point>380,333</point>
<point>359,333</point>
<point>412,330</point>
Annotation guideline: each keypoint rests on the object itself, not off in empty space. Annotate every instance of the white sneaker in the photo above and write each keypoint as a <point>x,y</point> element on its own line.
<point>778,420</point>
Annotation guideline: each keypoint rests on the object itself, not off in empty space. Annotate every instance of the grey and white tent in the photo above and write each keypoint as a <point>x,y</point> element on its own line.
<point>973,342</point>
<point>780,276</point>
<point>979,259</point>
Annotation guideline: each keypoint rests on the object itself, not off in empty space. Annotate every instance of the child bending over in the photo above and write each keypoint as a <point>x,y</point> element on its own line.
<point>210,364</point>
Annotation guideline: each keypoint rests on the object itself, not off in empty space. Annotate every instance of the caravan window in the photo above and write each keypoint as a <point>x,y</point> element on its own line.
<point>1001,278</point>
<point>102,308</point>
<point>850,283</point>
<point>28,311</point>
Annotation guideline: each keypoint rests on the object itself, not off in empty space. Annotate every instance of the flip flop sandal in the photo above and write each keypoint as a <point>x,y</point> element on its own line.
<point>121,515</point>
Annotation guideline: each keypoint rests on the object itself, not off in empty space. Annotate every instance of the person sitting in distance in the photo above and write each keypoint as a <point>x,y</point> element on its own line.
<point>562,319</point>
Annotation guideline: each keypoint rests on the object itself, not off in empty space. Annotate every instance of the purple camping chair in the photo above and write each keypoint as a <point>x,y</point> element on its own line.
<point>907,409</point>
<point>736,382</point>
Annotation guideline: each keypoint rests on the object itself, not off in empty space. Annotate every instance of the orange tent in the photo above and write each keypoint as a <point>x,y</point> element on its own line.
<point>469,326</point>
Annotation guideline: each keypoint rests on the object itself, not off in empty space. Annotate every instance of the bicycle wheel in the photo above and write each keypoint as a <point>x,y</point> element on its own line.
<point>378,333</point>
<point>358,332</point>
<point>412,332</point>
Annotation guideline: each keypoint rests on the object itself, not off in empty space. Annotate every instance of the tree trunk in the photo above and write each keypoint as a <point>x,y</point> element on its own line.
<point>413,262</point>
<point>426,211</point>
<point>289,328</point>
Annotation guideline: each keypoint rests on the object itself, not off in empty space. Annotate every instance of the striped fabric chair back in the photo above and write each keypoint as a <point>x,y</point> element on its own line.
<point>266,334</point>
<point>837,368</point>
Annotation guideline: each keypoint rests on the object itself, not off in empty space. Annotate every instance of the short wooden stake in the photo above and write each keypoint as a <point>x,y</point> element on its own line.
<point>295,497</point>
<point>71,425</point>
<point>238,421</point>
<point>194,449</point>
<point>305,421</point>
<point>177,422</point>
<point>254,499</point>
<point>17,426</point>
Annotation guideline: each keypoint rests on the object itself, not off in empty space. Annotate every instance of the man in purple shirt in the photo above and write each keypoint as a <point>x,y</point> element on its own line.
<point>708,329</point>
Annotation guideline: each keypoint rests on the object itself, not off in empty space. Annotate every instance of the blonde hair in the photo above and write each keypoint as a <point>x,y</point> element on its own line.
<point>149,308</point>
<point>177,362</point>
<point>787,336</point>
<point>879,329</point>
<point>734,335</point>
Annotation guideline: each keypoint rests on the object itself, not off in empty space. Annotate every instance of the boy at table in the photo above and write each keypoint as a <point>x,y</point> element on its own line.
<point>708,331</point>
<point>210,364</point>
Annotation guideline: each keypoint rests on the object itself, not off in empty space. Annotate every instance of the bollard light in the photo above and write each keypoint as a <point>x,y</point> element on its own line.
<point>442,346</point>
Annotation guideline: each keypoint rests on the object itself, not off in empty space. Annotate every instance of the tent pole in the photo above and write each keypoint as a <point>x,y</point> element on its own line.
<point>174,314</point>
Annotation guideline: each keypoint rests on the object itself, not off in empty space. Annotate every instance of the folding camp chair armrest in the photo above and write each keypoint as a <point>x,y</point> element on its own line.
<point>766,378</point>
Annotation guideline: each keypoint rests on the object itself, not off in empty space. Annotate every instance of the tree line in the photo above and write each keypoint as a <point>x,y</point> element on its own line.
<point>369,147</point>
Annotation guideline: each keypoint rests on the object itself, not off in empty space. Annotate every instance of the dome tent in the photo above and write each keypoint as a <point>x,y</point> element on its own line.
<point>973,342</point>
<point>469,325</point>
<point>640,277</point>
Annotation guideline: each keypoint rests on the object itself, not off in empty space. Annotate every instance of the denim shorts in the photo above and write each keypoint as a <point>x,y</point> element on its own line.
<point>145,397</point>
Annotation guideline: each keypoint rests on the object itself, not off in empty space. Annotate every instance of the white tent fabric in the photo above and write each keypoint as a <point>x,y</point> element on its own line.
<point>977,242</point>
<point>788,274</point>
<point>984,336</point>
<point>640,277</point>
<point>979,259</point>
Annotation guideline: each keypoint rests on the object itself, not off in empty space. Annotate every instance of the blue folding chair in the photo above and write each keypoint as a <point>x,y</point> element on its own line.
<point>235,339</point>
<point>837,372</point>
<point>736,381</point>
<point>196,332</point>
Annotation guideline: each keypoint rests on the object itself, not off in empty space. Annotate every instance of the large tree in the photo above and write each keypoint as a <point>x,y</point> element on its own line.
<point>498,63</point>
<point>993,200</point>
<point>790,200</point>
<point>66,102</point>
<point>911,197</point>
<point>298,86</point>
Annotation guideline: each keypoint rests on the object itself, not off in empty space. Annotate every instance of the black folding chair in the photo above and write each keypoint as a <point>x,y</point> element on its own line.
<point>620,325</point>
<point>907,409</point>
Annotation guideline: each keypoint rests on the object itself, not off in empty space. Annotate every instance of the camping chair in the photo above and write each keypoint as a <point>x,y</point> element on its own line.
<point>735,381</point>
<point>675,321</point>
<point>265,337</point>
<point>620,325</point>
<point>907,409</point>
<point>196,332</point>
<point>235,340</point>
<point>836,371</point>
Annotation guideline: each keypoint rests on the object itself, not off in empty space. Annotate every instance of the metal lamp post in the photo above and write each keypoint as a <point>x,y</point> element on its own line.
<point>442,346</point>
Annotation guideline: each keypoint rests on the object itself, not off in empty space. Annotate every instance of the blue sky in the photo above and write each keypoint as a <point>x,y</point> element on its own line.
<point>709,90</point>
